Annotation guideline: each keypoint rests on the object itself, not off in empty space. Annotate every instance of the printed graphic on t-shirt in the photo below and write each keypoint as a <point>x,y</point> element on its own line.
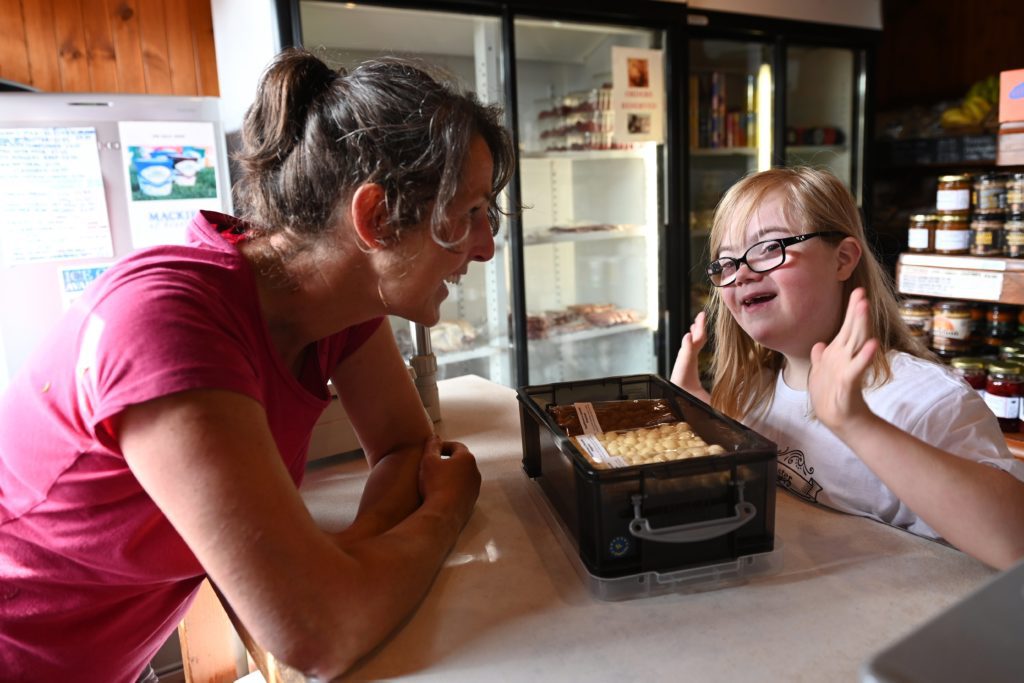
<point>794,474</point>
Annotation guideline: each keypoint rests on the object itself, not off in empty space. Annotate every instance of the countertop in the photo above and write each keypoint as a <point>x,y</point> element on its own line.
<point>509,606</point>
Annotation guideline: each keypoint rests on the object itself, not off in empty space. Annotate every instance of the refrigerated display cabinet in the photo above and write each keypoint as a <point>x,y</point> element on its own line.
<point>601,270</point>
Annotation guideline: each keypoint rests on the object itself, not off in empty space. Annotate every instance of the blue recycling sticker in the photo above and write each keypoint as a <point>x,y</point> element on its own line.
<point>619,546</point>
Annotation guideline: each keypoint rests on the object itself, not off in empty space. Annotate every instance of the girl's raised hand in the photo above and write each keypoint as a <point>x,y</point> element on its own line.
<point>836,378</point>
<point>685,372</point>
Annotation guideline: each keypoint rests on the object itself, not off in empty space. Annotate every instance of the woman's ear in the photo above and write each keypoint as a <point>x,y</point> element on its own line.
<point>369,215</point>
<point>848,255</point>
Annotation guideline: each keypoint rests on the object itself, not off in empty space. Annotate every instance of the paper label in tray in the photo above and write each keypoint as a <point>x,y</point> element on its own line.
<point>595,449</point>
<point>588,419</point>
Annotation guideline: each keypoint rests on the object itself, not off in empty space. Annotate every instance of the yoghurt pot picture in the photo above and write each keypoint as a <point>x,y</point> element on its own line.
<point>185,170</point>
<point>155,176</point>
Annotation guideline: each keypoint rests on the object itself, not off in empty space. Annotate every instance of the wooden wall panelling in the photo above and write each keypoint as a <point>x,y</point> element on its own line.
<point>13,51</point>
<point>41,42</point>
<point>201,20</point>
<point>154,47</point>
<point>99,41</point>
<point>72,54</point>
<point>181,57</point>
<point>933,50</point>
<point>124,25</point>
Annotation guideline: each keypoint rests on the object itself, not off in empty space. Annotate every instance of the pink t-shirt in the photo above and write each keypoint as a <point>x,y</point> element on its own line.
<point>93,578</point>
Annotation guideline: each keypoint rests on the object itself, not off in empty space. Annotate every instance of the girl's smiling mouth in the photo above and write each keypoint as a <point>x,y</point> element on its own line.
<point>756,299</point>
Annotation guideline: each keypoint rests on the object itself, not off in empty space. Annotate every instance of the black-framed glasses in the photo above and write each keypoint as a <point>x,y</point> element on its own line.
<point>760,258</point>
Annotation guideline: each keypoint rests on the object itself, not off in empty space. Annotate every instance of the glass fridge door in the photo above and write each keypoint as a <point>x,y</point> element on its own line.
<point>729,114</point>
<point>472,336</point>
<point>825,111</point>
<point>591,102</point>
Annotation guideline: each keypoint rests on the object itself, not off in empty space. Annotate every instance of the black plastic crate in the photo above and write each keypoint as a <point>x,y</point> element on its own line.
<point>660,517</point>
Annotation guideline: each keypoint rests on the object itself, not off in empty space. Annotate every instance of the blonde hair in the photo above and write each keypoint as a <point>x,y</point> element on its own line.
<point>813,200</point>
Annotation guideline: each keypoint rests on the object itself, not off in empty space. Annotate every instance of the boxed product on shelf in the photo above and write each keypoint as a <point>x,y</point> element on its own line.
<point>1011,95</point>
<point>649,528</point>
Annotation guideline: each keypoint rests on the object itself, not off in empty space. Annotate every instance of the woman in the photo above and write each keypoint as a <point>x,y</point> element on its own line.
<point>806,318</point>
<point>160,434</point>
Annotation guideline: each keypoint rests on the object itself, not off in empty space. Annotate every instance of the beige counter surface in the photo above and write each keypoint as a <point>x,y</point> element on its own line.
<point>508,605</point>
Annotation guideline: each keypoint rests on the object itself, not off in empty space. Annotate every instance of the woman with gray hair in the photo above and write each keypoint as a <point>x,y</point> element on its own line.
<point>159,435</point>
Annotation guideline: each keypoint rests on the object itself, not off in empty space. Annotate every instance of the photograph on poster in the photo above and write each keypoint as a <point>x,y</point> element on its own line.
<point>639,73</point>
<point>161,173</point>
<point>639,124</point>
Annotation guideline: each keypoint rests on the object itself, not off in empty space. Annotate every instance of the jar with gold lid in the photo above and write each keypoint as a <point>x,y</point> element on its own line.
<point>1000,326</point>
<point>974,371</point>
<point>917,314</point>
<point>953,194</point>
<point>1013,235</point>
<point>1015,193</point>
<point>921,233</point>
<point>952,327</point>
<point>987,235</point>
<point>952,234</point>
<point>988,195</point>
<point>1004,389</point>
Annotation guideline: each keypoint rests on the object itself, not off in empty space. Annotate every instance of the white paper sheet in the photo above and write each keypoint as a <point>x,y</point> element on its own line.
<point>52,204</point>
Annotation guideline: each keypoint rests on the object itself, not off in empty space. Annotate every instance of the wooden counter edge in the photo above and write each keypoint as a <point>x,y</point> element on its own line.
<point>1015,442</point>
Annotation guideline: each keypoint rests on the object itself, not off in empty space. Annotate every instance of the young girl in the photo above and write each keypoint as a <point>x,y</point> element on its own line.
<point>812,353</point>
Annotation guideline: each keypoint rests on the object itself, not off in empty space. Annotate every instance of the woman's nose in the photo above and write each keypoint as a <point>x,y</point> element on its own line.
<point>483,240</point>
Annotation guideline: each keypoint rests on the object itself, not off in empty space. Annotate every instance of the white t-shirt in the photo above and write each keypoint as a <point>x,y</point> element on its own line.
<point>923,398</point>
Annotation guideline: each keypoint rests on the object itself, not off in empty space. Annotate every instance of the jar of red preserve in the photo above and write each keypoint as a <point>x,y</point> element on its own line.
<point>973,370</point>
<point>1003,392</point>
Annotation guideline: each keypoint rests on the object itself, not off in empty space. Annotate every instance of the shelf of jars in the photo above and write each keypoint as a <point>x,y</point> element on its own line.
<point>978,278</point>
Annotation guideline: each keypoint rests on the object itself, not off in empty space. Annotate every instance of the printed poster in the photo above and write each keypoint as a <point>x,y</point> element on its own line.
<point>638,94</point>
<point>73,281</point>
<point>171,173</point>
<point>51,196</point>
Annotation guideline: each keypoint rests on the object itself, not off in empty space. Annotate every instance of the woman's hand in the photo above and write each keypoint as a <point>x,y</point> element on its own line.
<point>449,478</point>
<point>685,373</point>
<point>836,377</point>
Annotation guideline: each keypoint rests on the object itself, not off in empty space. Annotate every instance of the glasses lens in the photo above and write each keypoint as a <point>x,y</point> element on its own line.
<point>766,255</point>
<point>721,271</point>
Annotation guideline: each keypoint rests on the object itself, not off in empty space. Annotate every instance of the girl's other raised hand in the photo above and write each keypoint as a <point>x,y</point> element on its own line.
<point>836,378</point>
<point>685,373</point>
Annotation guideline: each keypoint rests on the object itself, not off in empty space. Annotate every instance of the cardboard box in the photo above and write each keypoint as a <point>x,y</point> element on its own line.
<point>1011,95</point>
<point>1010,146</point>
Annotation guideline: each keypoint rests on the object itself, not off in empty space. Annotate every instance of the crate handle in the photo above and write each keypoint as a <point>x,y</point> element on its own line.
<point>694,531</point>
